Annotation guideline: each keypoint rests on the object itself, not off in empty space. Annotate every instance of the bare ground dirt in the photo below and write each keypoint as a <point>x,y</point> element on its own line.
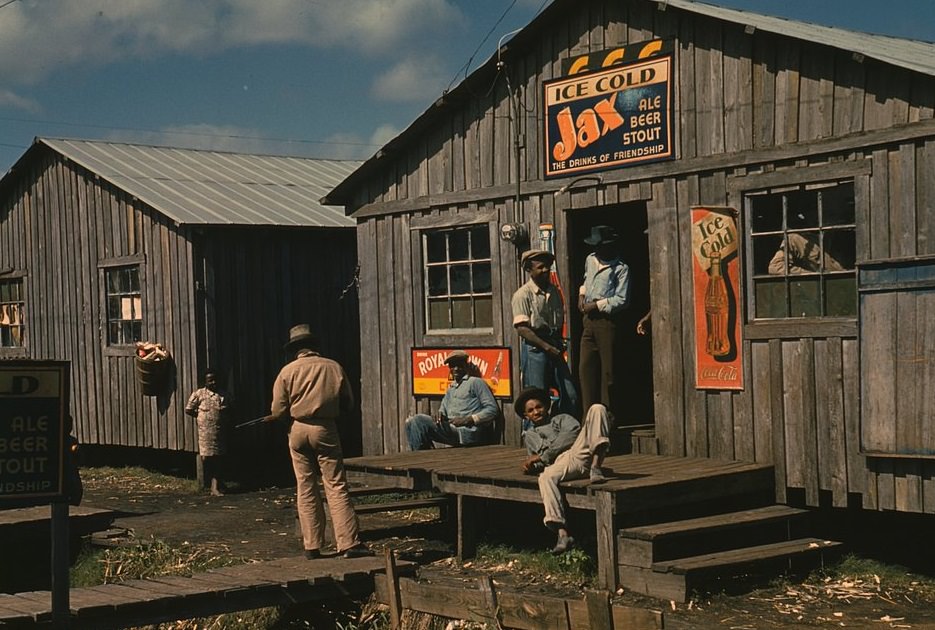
<point>260,525</point>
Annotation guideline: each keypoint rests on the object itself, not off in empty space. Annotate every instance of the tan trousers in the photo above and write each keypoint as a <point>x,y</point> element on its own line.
<point>575,463</point>
<point>316,457</point>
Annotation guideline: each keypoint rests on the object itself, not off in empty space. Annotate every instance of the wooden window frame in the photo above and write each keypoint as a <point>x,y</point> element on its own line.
<point>17,351</point>
<point>423,226</point>
<point>117,265</point>
<point>741,188</point>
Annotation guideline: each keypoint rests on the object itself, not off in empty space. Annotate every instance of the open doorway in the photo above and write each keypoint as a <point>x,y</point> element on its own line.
<point>635,391</point>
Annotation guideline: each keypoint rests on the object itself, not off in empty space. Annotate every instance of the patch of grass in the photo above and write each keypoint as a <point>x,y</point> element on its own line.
<point>146,560</point>
<point>136,479</point>
<point>574,565</point>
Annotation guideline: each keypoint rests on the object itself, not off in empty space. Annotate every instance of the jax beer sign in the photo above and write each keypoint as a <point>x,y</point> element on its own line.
<point>430,373</point>
<point>716,275</point>
<point>33,410</point>
<point>610,118</point>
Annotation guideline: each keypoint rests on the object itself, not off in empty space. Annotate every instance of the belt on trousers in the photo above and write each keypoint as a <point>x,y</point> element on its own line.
<point>312,420</point>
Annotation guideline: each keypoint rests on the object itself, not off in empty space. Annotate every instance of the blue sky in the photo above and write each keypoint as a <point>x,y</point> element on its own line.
<point>318,78</point>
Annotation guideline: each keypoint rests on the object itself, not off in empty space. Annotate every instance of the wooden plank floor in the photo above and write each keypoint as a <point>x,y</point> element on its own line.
<point>84,518</point>
<point>242,587</point>
<point>637,481</point>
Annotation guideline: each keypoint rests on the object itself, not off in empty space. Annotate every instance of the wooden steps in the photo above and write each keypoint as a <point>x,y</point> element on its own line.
<point>670,560</point>
<point>400,506</point>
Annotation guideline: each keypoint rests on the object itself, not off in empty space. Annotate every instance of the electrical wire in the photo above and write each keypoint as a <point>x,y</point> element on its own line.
<point>467,66</point>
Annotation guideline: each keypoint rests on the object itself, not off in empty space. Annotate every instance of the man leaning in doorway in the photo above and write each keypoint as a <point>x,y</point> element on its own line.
<point>466,415</point>
<point>602,299</point>
<point>314,392</point>
<point>538,317</point>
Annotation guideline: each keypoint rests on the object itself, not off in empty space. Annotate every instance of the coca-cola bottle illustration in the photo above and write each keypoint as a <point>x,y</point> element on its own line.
<point>717,343</point>
<point>497,369</point>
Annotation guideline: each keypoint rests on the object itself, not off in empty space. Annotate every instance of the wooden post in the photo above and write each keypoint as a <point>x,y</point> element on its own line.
<point>392,589</point>
<point>599,616</point>
<point>490,595</point>
<point>467,527</point>
<point>61,614</point>
<point>606,540</point>
<point>200,471</point>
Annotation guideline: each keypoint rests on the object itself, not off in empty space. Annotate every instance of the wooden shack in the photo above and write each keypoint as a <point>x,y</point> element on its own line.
<point>212,255</point>
<point>784,128</point>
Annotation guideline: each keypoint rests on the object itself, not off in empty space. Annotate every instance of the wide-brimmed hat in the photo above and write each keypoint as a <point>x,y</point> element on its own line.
<point>602,235</point>
<point>456,355</point>
<point>531,393</point>
<point>537,254</point>
<point>300,333</point>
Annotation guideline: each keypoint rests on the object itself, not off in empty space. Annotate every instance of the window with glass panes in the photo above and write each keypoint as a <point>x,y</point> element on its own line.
<point>803,243</point>
<point>458,289</point>
<point>124,306</point>
<point>12,314</point>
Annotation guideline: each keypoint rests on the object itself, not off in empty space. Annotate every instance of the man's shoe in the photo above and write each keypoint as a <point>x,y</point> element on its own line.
<point>565,543</point>
<point>312,554</point>
<point>357,551</point>
<point>597,476</point>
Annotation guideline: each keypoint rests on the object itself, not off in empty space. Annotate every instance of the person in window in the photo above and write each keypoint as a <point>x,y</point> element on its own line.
<point>209,405</point>
<point>466,415</point>
<point>602,299</point>
<point>538,317</point>
<point>801,253</point>
<point>315,394</point>
<point>545,436</point>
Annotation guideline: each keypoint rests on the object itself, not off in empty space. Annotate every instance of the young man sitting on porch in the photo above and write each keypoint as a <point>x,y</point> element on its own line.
<point>582,459</point>
<point>466,416</point>
<point>545,436</point>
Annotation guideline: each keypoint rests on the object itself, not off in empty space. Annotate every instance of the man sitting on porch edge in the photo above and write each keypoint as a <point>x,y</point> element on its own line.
<point>466,415</point>
<point>545,436</point>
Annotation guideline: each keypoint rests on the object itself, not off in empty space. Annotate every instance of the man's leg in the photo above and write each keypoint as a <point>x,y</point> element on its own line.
<point>535,366</point>
<point>308,501</point>
<point>568,393</point>
<point>564,467</point>
<point>595,438</point>
<point>589,366</point>
<point>421,431</point>
<point>605,335</point>
<point>324,438</point>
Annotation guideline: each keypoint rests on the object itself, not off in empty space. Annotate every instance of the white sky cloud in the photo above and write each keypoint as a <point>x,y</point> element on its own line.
<point>11,99</point>
<point>38,37</point>
<point>417,79</point>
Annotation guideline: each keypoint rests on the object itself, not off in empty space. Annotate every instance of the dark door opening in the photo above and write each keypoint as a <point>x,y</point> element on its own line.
<point>636,371</point>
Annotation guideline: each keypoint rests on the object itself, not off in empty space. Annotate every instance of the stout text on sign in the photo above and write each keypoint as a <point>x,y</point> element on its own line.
<point>33,408</point>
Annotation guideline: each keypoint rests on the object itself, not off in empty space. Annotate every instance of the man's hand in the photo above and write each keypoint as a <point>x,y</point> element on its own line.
<point>581,303</point>
<point>462,421</point>
<point>270,418</point>
<point>588,307</point>
<point>553,351</point>
<point>530,462</point>
<point>439,418</point>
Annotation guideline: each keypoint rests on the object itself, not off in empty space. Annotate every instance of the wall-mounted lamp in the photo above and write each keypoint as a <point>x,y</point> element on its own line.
<point>515,233</point>
<point>586,178</point>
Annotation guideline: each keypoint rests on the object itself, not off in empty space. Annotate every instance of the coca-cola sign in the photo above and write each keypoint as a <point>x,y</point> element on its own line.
<point>716,275</point>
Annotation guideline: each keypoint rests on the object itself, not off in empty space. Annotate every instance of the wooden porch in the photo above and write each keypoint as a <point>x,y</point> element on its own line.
<point>640,489</point>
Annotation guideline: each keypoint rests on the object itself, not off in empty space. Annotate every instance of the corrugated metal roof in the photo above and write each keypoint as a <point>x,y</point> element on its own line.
<point>214,188</point>
<point>914,55</point>
<point>905,53</point>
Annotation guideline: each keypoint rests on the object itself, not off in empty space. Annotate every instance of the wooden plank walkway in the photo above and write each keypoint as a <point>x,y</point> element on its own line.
<point>243,587</point>
<point>84,519</point>
<point>637,484</point>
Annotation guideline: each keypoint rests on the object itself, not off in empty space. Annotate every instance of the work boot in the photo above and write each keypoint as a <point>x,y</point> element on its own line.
<point>312,554</point>
<point>597,476</point>
<point>357,551</point>
<point>565,543</point>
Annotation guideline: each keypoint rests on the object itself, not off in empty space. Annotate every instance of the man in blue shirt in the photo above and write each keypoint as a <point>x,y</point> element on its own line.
<point>602,299</point>
<point>466,415</point>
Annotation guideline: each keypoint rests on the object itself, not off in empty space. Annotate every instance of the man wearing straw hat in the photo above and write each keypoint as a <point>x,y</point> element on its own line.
<point>314,392</point>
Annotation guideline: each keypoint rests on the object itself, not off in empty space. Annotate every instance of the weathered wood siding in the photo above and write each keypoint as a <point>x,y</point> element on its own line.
<point>254,283</point>
<point>213,296</point>
<point>60,227</point>
<point>747,107</point>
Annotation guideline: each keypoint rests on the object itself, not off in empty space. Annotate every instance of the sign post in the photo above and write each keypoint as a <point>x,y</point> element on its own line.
<point>33,413</point>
